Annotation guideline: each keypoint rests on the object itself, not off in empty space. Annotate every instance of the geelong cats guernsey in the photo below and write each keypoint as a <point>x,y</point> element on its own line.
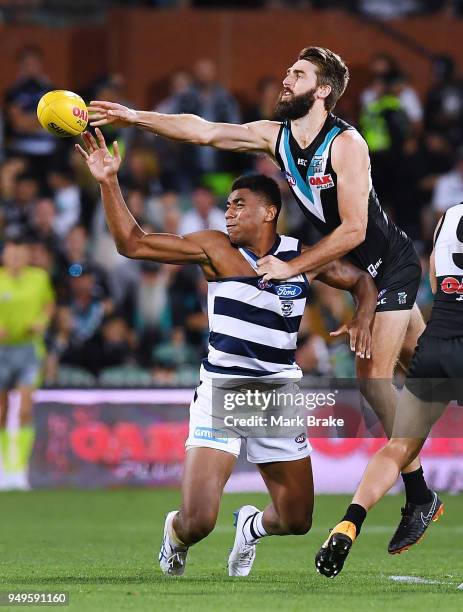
<point>446,319</point>
<point>254,325</point>
<point>313,183</point>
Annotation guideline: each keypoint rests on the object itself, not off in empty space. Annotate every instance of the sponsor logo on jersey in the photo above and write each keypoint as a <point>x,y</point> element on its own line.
<point>287,308</point>
<point>288,291</point>
<point>373,268</point>
<point>401,297</point>
<point>263,284</point>
<point>317,164</point>
<point>290,178</point>
<point>452,285</point>
<point>322,182</point>
<point>208,433</point>
<point>301,161</point>
<point>300,438</point>
<point>381,299</point>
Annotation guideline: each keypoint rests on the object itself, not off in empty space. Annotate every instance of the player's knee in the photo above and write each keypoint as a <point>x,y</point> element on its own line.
<point>298,525</point>
<point>403,450</point>
<point>199,525</point>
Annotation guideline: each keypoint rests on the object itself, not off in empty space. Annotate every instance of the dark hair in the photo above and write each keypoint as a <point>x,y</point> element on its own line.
<point>261,184</point>
<point>331,70</point>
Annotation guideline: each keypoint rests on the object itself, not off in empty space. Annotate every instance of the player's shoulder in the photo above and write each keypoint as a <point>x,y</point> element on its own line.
<point>206,238</point>
<point>350,142</point>
<point>265,128</point>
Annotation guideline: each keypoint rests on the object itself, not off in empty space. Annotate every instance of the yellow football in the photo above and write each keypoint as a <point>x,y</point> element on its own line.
<point>63,113</point>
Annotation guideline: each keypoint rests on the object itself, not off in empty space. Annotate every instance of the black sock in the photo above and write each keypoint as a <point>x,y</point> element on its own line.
<point>416,489</point>
<point>356,514</point>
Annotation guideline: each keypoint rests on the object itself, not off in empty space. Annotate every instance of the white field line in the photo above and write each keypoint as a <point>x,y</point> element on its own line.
<point>419,580</point>
<point>365,530</point>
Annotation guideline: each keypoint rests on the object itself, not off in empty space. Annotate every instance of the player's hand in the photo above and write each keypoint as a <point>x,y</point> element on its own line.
<point>360,337</point>
<point>3,334</point>
<point>101,163</point>
<point>111,113</point>
<point>272,268</point>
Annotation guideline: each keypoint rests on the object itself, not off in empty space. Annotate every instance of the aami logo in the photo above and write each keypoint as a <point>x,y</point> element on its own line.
<point>452,285</point>
<point>288,291</point>
<point>300,438</point>
<point>209,433</point>
<point>322,182</point>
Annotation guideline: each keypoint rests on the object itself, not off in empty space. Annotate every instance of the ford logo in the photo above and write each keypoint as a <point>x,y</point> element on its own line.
<point>288,291</point>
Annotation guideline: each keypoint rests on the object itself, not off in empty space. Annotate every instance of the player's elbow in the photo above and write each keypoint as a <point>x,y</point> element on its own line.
<point>127,247</point>
<point>356,233</point>
<point>208,135</point>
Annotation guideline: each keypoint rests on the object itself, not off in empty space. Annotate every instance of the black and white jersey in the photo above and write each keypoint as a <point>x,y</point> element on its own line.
<point>446,319</point>
<point>313,183</point>
<point>253,324</point>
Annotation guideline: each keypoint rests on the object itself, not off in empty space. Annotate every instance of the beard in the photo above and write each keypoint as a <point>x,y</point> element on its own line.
<point>294,107</point>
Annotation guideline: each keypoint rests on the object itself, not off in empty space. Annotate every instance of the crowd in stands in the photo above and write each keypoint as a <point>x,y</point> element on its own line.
<point>119,321</point>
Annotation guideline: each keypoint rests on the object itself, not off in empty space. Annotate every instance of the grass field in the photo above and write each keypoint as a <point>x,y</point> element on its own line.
<point>100,547</point>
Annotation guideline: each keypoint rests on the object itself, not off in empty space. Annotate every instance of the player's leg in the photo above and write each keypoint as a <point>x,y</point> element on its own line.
<point>392,330</point>
<point>290,484</point>
<point>416,327</point>
<point>210,457</point>
<point>417,411</point>
<point>206,473</point>
<point>417,418</point>
<point>285,465</point>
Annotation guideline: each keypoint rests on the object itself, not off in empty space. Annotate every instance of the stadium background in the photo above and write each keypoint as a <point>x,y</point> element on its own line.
<point>124,324</point>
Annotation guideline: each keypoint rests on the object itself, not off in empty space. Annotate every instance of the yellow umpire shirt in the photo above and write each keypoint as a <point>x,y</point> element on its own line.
<point>23,299</point>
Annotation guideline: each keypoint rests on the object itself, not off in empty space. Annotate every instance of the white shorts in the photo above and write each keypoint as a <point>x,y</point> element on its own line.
<point>207,430</point>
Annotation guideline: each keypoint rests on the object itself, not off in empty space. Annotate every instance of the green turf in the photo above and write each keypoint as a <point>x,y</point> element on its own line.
<point>100,547</point>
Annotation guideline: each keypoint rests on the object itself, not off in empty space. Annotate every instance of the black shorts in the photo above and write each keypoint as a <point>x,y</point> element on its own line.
<point>400,279</point>
<point>436,371</point>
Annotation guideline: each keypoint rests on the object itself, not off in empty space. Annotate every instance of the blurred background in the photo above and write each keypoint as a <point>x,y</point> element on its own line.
<point>118,323</point>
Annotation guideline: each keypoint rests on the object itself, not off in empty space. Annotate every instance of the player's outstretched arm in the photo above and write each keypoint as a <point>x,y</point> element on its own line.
<point>343,275</point>
<point>255,136</point>
<point>130,239</point>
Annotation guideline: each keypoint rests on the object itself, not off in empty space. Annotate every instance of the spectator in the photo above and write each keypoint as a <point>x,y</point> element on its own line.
<point>74,259</point>
<point>112,346</point>
<point>209,99</point>
<point>24,135</point>
<point>444,103</point>
<point>88,309</point>
<point>382,65</point>
<point>151,307</point>
<point>449,187</point>
<point>66,195</point>
<point>205,214</point>
<point>268,90</point>
<point>62,345</point>
<point>385,127</point>
<point>42,222</point>
<point>16,213</point>
<point>176,351</point>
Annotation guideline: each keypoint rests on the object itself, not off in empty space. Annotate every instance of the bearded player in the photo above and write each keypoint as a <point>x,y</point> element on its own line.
<point>253,332</point>
<point>326,163</point>
<point>434,379</point>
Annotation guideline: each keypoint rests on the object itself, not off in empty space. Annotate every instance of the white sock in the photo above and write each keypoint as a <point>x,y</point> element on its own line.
<point>253,529</point>
<point>176,541</point>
